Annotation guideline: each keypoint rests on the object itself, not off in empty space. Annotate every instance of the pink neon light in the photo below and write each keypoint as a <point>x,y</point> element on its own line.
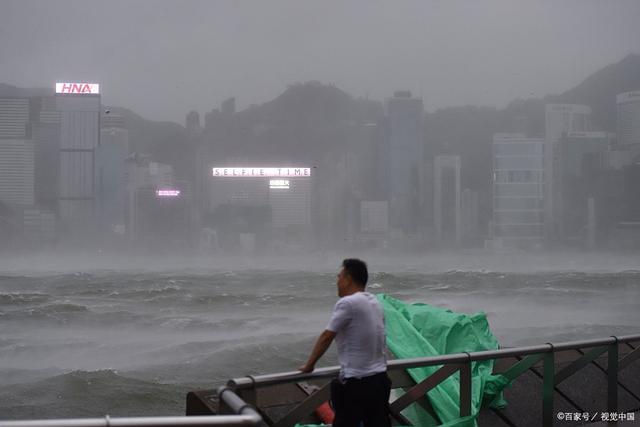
<point>167,193</point>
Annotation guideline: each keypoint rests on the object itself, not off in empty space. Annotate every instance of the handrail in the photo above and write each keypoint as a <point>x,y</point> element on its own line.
<point>396,364</point>
<point>244,415</point>
<point>208,420</point>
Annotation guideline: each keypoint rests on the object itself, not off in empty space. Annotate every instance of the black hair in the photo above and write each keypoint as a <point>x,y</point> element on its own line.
<point>357,269</point>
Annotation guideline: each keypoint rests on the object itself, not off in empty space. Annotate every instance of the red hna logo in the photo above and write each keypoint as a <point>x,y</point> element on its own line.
<point>76,88</point>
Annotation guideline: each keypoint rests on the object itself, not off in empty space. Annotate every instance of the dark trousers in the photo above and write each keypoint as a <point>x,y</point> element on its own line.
<point>364,400</point>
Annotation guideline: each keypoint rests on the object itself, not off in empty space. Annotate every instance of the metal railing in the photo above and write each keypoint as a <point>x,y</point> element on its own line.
<point>246,386</point>
<point>240,395</point>
<point>242,415</point>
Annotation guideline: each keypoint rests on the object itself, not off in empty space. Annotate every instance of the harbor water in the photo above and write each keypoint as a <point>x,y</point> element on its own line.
<point>134,341</point>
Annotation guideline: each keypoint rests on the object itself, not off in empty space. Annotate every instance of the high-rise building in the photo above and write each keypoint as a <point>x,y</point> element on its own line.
<point>16,172</point>
<point>518,190</point>
<point>46,135</point>
<point>404,160</point>
<point>580,158</point>
<point>559,119</point>
<point>14,118</point>
<point>628,119</point>
<point>16,153</point>
<point>447,199</point>
<point>111,183</point>
<point>79,104</point>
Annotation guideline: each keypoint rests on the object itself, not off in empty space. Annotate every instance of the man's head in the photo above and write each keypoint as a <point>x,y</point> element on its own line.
<point>352,277</point>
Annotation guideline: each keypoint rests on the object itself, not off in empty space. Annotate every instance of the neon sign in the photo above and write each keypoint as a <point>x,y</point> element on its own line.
<point>167,193</point>
<point>261,172</point>
<point>78,88</point>
<point>279,184</point>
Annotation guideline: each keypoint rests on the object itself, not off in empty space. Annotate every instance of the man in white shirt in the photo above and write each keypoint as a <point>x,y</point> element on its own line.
<point>361,394</point>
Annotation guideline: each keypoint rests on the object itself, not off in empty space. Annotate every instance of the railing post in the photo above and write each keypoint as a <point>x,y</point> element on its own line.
<point>612,377</point>
<point>548,384</point>
<point>465,388</point>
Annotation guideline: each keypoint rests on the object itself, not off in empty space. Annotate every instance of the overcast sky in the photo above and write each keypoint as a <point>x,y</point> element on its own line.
<point>164,58</point>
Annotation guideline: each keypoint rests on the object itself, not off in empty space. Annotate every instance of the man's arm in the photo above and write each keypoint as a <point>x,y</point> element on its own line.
<point>322,344</point>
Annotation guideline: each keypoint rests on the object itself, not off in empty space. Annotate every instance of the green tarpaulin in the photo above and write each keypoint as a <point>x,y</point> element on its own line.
<point>422,330</point>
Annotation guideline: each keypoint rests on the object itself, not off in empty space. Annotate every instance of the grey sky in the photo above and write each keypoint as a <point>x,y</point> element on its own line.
<point>163,58</point>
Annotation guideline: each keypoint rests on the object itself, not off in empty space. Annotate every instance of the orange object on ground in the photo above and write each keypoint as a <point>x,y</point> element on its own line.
<point>325,413</point>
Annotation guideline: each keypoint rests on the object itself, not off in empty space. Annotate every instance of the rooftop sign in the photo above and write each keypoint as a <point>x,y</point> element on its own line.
<point>167,193</point>
<point>261,172</point>
<point>78,88</point>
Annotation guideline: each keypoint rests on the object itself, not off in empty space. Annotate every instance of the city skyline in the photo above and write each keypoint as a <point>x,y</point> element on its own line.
<point>164,61</point>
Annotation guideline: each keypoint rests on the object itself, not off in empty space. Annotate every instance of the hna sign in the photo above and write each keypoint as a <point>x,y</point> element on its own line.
<point>78,88</point>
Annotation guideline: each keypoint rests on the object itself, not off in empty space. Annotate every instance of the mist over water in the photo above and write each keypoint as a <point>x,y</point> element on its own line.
<point>133,341</point>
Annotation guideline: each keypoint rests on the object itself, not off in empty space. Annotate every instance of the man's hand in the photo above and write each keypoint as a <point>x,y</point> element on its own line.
<point>306,368</point>
<point>322,344</point>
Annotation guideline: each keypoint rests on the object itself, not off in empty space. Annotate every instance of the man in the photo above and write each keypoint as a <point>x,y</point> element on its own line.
<point>361,394</point>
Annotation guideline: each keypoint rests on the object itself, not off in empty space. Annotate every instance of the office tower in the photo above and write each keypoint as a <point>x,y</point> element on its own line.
<point>447,199</point>
<point>629,120</point>
<point>14,118</point>
<point>559,119</point>
<point>111,189</point>
<point>16,153</point>
<point>79,105</point>
<point>518,183</point>
<point>580,158</point>
<point>16,172</point>
<point>290,202</point>
<point>46,135</point>
<point>404,160</point>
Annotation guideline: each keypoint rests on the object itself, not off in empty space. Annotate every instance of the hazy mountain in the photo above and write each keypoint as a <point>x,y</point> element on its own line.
<point>13,91</point>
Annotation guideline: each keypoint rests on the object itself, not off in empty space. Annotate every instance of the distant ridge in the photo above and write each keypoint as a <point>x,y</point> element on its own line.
<point>600,89</point>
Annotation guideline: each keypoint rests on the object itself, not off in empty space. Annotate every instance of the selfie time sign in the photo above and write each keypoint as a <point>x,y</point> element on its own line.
<point>261,172</point>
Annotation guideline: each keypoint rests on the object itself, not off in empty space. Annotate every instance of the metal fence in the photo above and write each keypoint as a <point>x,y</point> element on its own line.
<point>239,398</point>
<point>243,415</point>
<point>529,356</point>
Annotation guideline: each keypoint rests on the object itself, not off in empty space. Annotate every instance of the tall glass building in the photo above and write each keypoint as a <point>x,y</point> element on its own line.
<point>629,119</point>
<point>404,160</point>
<point>518,190</point>
<point>79,105</point>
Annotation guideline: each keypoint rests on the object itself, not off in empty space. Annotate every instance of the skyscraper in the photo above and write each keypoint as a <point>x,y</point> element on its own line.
<point>404,160</point>
<point>518,182</point>
<point>559,119</point>
<point>447,199</point>
<point>111,191</point>
<point>16,153</point>
<point>629,119</point>
<point>79,104</point>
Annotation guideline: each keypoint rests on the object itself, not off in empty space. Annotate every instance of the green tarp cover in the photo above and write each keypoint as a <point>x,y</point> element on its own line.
<point>422,330</point>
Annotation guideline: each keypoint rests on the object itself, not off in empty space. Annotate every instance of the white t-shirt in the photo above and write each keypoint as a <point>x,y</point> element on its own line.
<point>358,321</point>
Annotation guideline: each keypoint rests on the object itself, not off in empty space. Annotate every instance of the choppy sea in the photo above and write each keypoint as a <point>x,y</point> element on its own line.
<point>133,343</point>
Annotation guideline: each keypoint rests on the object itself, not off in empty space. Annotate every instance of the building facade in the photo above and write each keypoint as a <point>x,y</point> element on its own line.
<point>404,161</point>
<point>628,119</point>
<point>111,178</point>
<point>17,160</point>
<point>518,190</point>
<point>447,199</point>
<point>559,119</point>
<point>79,105</point>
